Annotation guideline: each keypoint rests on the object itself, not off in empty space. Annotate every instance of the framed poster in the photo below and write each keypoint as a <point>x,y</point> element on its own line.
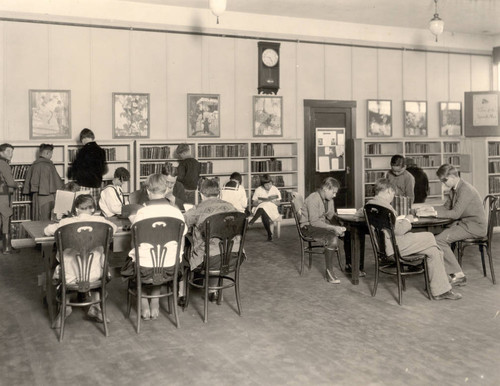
<point>379,118</point>
<point>482,114</point>
<point>203,115</point>
<point>330,149</point>
<point>50,114</point>
<point>450,119</point>
<point>130,115</point>
<point>415,118</point>
<point>267,116</point>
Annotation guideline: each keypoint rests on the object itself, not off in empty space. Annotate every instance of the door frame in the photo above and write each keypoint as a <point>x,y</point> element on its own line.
<point>309,156</point>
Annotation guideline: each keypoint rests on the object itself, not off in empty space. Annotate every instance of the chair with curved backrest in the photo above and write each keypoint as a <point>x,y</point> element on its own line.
<point>224,229</point>
<point>84,238</point>
<point>312,247</point>
<point>491,206</point>
<point>381,222</point>
<point>158,233</point>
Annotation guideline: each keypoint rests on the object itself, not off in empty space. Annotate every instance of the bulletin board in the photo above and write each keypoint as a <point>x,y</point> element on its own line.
<point>482,114</point>
<point>330,149</point>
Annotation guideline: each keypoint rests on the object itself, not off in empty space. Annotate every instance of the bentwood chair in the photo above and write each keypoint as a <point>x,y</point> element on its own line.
<point>163,236</point>
<point>307,244</point>
<point>491,206</point>
<point>381,222</point>
<point>223,231</point>
<point>83,240</point>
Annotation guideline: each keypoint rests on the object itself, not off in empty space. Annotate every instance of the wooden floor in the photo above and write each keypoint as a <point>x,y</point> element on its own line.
<point>294,331</point>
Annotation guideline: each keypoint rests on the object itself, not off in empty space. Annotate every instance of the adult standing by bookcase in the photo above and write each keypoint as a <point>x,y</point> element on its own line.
<point>89,165</point>
<point>7,185</point>
<point>42,181</point>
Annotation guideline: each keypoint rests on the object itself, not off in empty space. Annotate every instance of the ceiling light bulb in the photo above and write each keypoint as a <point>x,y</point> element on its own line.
<point>436,25</point>
<point>217,7</point>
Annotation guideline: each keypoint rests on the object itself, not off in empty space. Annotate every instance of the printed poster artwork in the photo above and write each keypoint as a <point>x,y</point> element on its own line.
<point>203,115</point>
<point>50,114</point>
<point>415,115</point>
<point>130,115</point>
<point>379,118</point>
<point>485,110</point>
<point>450,119</point>
<point>267,116</point>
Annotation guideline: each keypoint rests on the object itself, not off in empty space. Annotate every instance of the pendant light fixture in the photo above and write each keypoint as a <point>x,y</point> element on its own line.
<point>436,25</point>
<point>217,7</point>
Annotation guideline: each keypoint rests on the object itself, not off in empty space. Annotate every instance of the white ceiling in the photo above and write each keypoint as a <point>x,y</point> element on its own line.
<point>464,16</point>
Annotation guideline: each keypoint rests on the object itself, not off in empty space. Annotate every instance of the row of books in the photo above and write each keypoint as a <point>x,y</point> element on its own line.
<point>206,167</point>
<point>278,181</point>
<point>381,148</point>
<point>262,149</point>
<point>267,166</point>
<point>494,167</point>
<point>110,154</point>
<point>374,176</point>
<point>417,147</point>
<point>451,147</point>
<point>17,195</point>
<point>452,160</point>
<point>19,171</point>
<point>493,148</point>
<point>21,212</point>
<point>426,161</point>
<point>155,152</point>
<point>494,184</point>
<point>220,151</point>
<point>150,168</point>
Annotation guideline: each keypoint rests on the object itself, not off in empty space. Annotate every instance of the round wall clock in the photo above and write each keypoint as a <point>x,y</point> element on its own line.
<point>270,57</point>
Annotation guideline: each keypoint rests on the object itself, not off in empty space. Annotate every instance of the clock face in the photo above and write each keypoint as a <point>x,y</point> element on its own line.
<point>270,57</point>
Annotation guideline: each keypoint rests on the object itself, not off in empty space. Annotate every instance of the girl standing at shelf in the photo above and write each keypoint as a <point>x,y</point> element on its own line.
<point>265,201</point>
<point>188,172</point>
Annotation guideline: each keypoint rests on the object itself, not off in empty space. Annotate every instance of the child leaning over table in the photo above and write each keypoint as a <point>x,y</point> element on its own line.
<point>83,208</point>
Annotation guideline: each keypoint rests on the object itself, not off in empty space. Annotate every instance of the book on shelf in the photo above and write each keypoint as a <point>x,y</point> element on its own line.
<point>21,212</point>
<point>222,151</point>
<point>19,171</point>
<point>18,232</point>
<point>493,149</point>
<point>272,165</point>
<point>155,152</point>
<point>206,167</point>
<point>145,169</point>
<point>451,147</point>
<point>262,149</point>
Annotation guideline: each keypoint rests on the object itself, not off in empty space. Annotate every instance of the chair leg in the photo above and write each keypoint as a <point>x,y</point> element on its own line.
<point>400,290</point>
<point>302,259</point>
<point>460,252</point>
<point>205,312</point>
<point>188,278</point>
<point>174,301</point>
<point>427,280</point>
<point>129,300</point>
<point>490,258</point>
<point>104,312</point>
<point>139,308</point>
<point>62,314</point>
<point>375,284</point>
<point>481,249</point>
<point>237,289</point>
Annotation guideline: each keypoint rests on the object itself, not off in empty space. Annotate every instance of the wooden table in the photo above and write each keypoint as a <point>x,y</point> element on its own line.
<point>121,242</point>
<point>358,229</point>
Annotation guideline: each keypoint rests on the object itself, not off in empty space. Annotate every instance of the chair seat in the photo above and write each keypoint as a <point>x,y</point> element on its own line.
<point>479,240</point>
<point>417,257</point>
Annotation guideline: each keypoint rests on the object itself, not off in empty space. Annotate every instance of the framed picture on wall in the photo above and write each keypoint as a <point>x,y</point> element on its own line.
<point>379,118</point>
<point>415,118</point>
<point>203,115</point>
<point>482,113</point>
<point>130,115</point>
<point>450,119</point>
<point>267,116</point>
<point>50,114</point>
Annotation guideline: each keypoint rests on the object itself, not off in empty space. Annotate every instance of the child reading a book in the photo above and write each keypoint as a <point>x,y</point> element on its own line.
<point>265,201</point>
<point>112,199</point>
<point>83,209</point>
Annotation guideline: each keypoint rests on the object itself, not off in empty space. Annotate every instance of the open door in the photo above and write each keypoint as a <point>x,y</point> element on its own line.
<point>326,125</point>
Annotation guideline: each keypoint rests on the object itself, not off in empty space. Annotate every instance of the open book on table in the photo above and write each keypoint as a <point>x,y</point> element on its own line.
<point>64,201</point>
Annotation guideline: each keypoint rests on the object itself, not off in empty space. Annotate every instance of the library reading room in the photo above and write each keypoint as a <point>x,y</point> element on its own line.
<point>236,192</point>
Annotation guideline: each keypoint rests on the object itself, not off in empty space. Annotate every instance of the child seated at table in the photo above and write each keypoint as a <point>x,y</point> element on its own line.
<point>111,199</point>
<point>83,209</point>
<point>157,186</point>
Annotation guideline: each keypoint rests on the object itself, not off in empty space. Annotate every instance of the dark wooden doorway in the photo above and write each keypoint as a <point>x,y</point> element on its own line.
<point>330,114</point>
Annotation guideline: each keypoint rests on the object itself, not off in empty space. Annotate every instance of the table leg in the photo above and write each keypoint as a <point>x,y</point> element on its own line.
<point>50,293</point>
<point>355,251</point>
